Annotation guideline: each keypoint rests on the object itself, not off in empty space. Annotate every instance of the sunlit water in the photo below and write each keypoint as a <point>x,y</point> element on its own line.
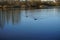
<point>38,24</point>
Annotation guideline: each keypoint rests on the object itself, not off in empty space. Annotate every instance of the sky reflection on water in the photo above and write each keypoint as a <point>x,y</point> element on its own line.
<point>39,24</point>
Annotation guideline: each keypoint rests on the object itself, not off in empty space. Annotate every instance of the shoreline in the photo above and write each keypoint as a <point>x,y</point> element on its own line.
<point>29,5</point>
<point>58,7</point>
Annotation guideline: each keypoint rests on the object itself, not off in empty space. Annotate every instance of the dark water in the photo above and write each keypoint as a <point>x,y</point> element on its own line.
<point>39,24</point>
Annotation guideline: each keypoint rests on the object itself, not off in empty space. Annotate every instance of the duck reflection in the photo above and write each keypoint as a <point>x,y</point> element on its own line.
<point>7,15</point>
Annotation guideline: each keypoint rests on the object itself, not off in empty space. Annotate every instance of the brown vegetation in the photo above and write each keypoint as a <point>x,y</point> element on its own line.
<point>28,4</point>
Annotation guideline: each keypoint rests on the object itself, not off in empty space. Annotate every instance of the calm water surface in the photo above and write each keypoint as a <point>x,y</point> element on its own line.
<point>39,24</point>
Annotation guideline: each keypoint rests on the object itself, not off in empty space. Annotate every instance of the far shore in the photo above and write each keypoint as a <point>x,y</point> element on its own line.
<point>35,5</point>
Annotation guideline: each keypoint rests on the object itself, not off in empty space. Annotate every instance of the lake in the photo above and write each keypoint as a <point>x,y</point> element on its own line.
<point>35,24</point>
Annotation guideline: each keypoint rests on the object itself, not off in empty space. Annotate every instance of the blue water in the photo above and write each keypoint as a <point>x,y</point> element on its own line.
<point>38,24</point>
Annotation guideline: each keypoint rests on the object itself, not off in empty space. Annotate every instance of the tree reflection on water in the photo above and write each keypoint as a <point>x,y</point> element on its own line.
<point>7,15</point>
<point>15,15</point>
